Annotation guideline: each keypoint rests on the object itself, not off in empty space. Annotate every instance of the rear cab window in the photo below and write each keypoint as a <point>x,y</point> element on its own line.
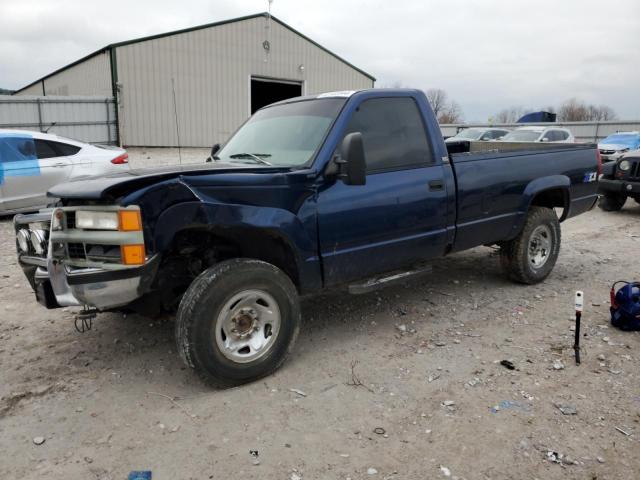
<point>393,134</point>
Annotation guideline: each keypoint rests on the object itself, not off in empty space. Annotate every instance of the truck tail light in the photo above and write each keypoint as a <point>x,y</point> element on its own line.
<point>129,221</point>
<point>121,159</point>
<point>599,158</point>
<point>132,254</point>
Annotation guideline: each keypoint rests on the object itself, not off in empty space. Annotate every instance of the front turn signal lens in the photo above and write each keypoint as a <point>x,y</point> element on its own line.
<point>132,254</point>
<point>130,220</point>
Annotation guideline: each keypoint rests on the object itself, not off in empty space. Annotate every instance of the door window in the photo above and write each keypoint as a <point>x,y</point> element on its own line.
<point>44,149</point>
<point>393,134</point>
<point>50,149</point>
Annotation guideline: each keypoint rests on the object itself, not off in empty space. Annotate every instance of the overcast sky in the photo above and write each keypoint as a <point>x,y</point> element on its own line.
<point>487,54</point>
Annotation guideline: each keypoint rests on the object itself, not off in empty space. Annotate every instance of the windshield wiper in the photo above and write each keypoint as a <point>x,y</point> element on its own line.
<point>252,156</point>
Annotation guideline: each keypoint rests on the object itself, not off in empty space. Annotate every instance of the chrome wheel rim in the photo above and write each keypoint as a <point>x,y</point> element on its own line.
<point>539,246</point>
<point>247,326</point>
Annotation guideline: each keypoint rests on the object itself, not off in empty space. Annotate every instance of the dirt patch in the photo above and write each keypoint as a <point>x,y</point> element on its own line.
<point>402,383</point>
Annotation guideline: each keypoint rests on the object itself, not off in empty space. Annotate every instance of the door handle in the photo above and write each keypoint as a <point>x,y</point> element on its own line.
<point>60,164</point>
<point>436,185</point>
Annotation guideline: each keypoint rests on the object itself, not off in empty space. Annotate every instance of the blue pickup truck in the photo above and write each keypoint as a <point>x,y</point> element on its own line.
<point>353,189</point>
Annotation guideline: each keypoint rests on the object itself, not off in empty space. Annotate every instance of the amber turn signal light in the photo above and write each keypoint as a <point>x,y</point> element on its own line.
<point>129,220</point>
<point>132,254</point>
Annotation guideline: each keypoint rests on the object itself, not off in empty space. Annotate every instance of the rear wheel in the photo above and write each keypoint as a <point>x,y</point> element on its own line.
<point>237,322</point>
<point>612,202</point>
<point>530,257</point>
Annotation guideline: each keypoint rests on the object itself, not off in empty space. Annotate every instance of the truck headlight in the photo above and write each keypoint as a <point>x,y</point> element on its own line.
<point>23,240</point>
<point>94,220</point>
<point>38,241</point>
<point>624,165</point>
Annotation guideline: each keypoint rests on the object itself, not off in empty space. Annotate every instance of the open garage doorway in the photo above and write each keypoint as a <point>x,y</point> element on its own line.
<point>265,91</point>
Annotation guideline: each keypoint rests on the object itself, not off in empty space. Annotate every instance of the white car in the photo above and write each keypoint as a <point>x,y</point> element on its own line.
<point>482,134</point>
<point>32,162</point>
<point>539,134</point>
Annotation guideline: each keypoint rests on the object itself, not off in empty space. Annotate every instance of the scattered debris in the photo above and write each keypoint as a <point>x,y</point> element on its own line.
<point>566,409</point>
<point>355,380</point>
<point>371,471</point>
<point>299,392</point>
<point>255,455</point>
<point>173,401</point>
<point>445,471</point>
<point>623,432</point>
<point>38,440</point>
<point>558,365</point>
<point>508,364</point>
<point>295,476</point>
<point>433,377</point>
<point>559,458</point>
<point>379,431</point>
<point>509,405</point>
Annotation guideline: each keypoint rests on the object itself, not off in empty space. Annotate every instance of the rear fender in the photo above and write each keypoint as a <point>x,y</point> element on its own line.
<point>551,191</point>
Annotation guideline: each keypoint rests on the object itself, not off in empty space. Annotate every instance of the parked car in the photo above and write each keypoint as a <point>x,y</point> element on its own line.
<point>619,181</point>
<point>349,188</point>
<point>616,145</point>
<point>479,134</point>
<point>539,134</point>
<point>33,162</point>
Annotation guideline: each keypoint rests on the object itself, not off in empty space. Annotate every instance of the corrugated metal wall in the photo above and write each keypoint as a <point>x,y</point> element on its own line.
<point>35,89</point>
<point>211,69</point>
<point>583,131</point>
<point>89,119</point>
<point>91,77</point>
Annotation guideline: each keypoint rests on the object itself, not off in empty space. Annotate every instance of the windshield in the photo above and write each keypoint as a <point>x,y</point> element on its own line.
<point>469,134</point>
<point>521,136</point>
<point>627,140</point>
<point>284,135</point>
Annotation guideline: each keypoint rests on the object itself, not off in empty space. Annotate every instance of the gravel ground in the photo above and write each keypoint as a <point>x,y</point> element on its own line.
<point>404,383</point>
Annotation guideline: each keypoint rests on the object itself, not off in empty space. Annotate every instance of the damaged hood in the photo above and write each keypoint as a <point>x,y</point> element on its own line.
<point>117,185</point>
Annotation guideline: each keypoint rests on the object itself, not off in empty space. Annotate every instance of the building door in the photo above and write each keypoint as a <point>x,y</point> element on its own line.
<point>266,91</point>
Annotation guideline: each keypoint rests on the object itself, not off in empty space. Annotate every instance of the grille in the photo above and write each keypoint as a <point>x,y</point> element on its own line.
<point>607,152</point>
<point>634,171</point>
<point>71,220</point>
<point>76,250</point>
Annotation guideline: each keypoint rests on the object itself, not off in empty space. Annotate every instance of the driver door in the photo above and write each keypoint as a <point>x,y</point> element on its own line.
<point>399,216</point>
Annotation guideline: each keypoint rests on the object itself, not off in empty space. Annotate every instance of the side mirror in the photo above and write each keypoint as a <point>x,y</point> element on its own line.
<point>215,149</point>
<point>545,139</point>
<point>352,167</point>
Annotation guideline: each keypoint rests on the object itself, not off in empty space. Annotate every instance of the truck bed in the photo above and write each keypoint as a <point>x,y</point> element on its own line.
<point>493,181</point>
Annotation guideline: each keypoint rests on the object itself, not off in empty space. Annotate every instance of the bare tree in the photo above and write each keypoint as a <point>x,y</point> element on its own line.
<point>451,114</point>
<point>574,110</point>
<point>438,99</point>
<point>508,115</point>
<point>445,110</point>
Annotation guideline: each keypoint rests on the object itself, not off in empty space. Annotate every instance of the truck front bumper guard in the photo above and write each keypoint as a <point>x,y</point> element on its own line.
<point>62,281</point>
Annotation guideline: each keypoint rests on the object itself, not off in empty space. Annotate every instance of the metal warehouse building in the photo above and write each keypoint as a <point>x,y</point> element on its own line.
<point>194,87</point>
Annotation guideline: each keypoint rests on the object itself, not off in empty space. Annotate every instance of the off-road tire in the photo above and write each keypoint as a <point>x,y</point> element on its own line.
<point>514,257</point>
<point>612,202</point>
<point>195,322</point>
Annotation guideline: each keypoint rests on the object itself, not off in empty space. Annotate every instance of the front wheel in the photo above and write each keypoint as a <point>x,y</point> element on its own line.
<point>612,202</point>
<point>237,322</point>
<point>530,257</point>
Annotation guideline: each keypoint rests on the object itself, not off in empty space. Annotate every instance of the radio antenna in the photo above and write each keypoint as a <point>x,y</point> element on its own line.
<point>175,112</point>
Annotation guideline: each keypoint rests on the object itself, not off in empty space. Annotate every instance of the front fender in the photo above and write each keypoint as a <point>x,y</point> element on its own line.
<point>297,231</point>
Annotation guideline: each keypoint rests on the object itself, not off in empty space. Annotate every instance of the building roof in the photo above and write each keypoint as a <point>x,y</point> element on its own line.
<point>191,29</point>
